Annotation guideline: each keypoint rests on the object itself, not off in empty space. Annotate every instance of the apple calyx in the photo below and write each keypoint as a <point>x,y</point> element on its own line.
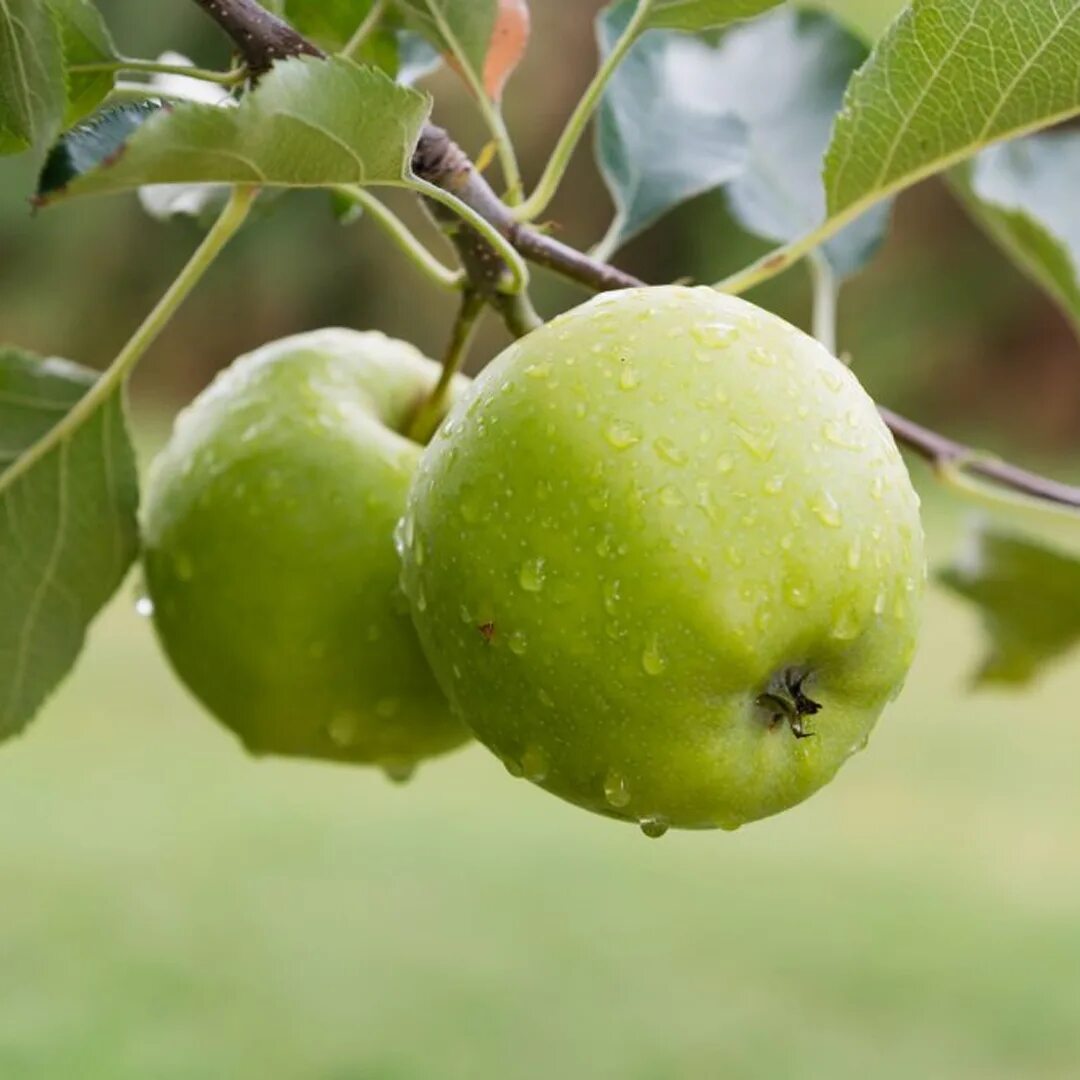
<point>787,701</point>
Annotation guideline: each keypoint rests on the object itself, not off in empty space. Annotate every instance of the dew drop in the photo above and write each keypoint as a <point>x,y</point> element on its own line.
<point>734,556</point>
<point>185,568</point>
<point>538,371</point>
<point>787,541</point>
<point>144,607</point>
<point>832,379</point>
<point>621,435</point>
<point>611,597</point>
<point>826,509</point>
<point>654,827</point>
<point>531,575</point>
<point>517,643</point>
<point>832,433</point>
<point>797,593</point>
<point>763,357</point>
<point>388,707</point>
<point>546,699</point>
<point>761,445</point>
<point>514,767</point>
<point>398,770</point>
<point>671,496</point>
<point>715,335</point>
<point>773,486</point>
<point>879,603</point>
<point>724,464</point>
<point>877,487</point>
<point>652,660</point>
<point>845,626</point>
<point>854,554</point>
<point>342,729</point>
<point>535,764</point>
<point>616,790</point>
<point>669,452</point>
<point>628,378</point>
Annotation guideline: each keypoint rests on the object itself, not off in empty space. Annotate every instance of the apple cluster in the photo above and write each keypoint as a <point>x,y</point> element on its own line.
<point>662,557</point>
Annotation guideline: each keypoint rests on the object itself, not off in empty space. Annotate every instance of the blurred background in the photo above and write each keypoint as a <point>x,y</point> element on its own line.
<point>171,908</point>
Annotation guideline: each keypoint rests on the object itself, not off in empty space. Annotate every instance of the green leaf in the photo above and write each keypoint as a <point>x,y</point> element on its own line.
<point>784,76</point>
<point>85,39</point>
<point>949,78</point>
<point>68,532</point>
<point>32,88</point>
<point>310,123</point>
<point>703,14</point>
<point>659,139</point>
<point>1029,598</point>
<point>867,18</point>
<point>1024,194</point>
<point>469,26</point>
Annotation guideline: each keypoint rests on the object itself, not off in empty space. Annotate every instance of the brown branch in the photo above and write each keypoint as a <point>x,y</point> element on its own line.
<point>262,38</point>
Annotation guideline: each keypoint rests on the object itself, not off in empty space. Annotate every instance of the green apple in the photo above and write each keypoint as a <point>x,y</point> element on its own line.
<point>269,552</point>
<point>666,560</point>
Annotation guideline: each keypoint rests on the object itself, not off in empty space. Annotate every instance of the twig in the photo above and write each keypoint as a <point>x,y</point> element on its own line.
<point>262,38</point>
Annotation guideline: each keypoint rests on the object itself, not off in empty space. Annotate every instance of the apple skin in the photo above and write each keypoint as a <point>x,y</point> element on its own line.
<point>643,518</point>
<point>269,553</point>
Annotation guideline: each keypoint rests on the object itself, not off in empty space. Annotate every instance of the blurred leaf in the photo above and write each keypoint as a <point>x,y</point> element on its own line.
<point>867,18</point>
<point>329,23</point>
<point>32,88</point>
<point>85,39</point>
<point>509,42</point>
<point>659,139</point>
<point>703,14</point>
<point>1029,598</point>
<point>784,76</point>
<point>949,78</point>
<point>1024,194</point>
<point>470,27</point>
<point>309,123</point>
<point>68,530</point>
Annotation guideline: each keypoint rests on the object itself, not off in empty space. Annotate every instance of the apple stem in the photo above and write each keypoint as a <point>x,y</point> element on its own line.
<point>432,409</point>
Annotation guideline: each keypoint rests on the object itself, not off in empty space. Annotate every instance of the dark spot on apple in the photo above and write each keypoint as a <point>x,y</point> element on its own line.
<point>487,631</point>
<point>786,700</point>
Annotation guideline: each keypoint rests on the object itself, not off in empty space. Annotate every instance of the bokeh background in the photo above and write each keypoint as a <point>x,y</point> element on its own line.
<point>171,908</point>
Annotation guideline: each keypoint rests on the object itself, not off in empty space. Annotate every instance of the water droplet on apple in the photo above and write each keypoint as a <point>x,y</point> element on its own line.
<point>398,770</point>
<point>826,509</point>
<point>621,435</point>
<point>531,575</point>
<point>761,444</point>
<point>652,660</point>
<point>654,827</point>
<point>877,487</point>
<point>763,357</point>
<point>725,463</point>
<point>879,603</point>
<point>714,335</point>
<point>854,554</point>
<point>144,606</point>
<point>538,371</point>
<point>546,699</point>
<point>611,596</point>
<point>535,764</point>
<point>387,708</point>
<point>513,767</point>
<point>616,790</point>
<point>797,592</point>
<point>845,625</point>
<point>342,729</point>
<point>628,378</point>
<point>831,378</point>
<point>517,643</point>
<point>671,496</point>
<point>773,486</point>
<point>669,452</point>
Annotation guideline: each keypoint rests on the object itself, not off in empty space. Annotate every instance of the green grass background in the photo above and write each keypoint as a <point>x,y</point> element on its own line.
<point>173,909</point>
